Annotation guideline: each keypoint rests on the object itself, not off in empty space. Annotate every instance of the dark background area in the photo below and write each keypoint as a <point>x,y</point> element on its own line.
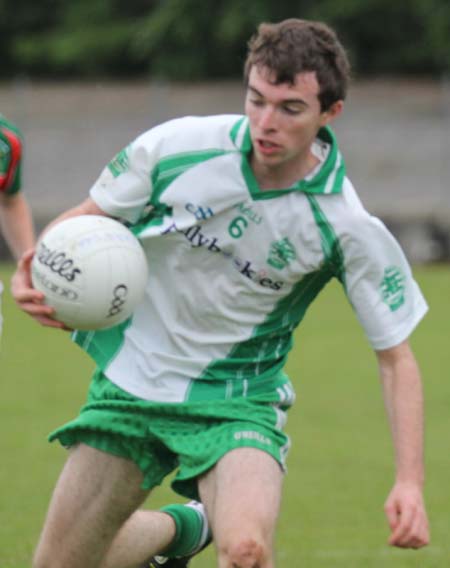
<point>82,79</point>
<point>206,39</point>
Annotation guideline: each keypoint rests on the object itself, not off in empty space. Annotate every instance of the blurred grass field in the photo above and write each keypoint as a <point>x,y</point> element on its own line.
<point>340,466</point>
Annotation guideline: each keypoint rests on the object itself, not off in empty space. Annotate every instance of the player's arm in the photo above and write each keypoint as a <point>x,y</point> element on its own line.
<point>123,189</point>
<point>402,389</point>
<point>27,298</point>
<point>86,207</point>
<point>16,223</point>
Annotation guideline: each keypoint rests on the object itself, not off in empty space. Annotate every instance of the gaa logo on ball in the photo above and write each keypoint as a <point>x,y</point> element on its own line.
<point>92,270</point>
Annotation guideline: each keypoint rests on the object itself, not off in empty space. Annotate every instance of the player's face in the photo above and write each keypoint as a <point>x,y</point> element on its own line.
<point>284,120</point>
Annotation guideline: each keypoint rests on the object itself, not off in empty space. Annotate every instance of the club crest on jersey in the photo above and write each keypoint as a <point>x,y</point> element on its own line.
<point>120,163</point>
<point>392,288</point>
<point>281,253</point>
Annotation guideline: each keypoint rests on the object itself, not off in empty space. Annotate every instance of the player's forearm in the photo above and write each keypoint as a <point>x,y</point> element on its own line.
<point>17,224</point>
<point>86,207</point>
<point>402,388</point>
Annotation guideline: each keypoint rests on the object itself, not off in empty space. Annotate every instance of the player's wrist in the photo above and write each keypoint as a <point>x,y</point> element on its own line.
<point>413,481</point>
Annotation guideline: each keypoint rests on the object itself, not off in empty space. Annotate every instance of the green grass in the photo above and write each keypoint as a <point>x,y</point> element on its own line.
<point>340,465</point>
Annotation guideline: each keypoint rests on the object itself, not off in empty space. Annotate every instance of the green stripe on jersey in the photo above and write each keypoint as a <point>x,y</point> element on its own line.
<point>163,175</point>
<point>169,168</point>
<point>235,130</point>
<point>331,246</point>
<point>328,180</point>
<point>106,345</point>
<point>264,354</point>
<point>266,351</point>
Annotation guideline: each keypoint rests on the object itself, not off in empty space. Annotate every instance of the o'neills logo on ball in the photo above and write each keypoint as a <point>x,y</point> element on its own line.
<point>58,262</point>
<point>120,293</point>
<point>53,287</point>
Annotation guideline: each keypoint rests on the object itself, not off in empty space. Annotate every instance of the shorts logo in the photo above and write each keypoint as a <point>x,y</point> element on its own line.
<point>252,435</point>
<point>392,288</point>
<point>281,253</point>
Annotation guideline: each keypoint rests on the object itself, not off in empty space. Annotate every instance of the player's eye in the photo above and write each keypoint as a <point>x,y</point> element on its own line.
<point>291,110</point>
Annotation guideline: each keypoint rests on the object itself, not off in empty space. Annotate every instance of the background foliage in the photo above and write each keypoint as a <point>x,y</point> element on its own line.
<point>199,39</point>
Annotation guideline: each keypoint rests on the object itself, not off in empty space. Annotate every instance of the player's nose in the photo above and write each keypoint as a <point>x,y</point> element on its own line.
<point>267,118</point>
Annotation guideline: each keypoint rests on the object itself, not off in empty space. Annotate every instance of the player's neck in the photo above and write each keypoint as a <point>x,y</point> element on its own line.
<point>285,174</point>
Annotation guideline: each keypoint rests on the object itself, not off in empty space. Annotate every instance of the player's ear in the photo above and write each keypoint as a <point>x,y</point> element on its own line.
<point>332,112</point>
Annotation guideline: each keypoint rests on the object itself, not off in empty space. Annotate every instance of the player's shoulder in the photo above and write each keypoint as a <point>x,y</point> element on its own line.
<point>204,122</point>
<point>192,133</point>
<point>344,205</point>
<point>358,230</point>
<point>9,130</point>
<point>10,156</point>
<point>346,213</point>
<point>10,142</point>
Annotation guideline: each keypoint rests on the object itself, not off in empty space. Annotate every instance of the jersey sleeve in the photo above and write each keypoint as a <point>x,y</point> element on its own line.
<point>10,159</point>
<point>380,284</point>
<point>137,174</point>
<point>124,187</point>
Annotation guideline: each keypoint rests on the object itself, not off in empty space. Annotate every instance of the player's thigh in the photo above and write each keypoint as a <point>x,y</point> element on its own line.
<point>242,494</point>
<point>96,492</point>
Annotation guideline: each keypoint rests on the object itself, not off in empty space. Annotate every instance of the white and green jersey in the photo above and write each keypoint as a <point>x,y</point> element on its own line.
<point>234,268</point>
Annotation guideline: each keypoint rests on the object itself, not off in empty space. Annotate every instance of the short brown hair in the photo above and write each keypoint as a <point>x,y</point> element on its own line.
<point>296,46</point>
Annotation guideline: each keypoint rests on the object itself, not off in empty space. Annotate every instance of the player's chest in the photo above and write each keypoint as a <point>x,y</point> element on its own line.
<point>269,240</point>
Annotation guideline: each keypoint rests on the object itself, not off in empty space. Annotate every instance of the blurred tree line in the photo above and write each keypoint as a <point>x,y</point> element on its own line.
<point>205,39</point>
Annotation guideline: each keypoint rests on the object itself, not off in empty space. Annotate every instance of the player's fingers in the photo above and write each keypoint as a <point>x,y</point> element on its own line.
<point>35,308</point>
<point>413,531</point>
<point>392,514</point>
<point>419,535</point>
<point>414,542</point>
<point>22,288</point>
<point>30,299</point>
<point>402,529</point>
<point>27,257</point>
<point>23,296</point>
<point>407,539</point>
<point>50,322</point>
<point>24,262</point>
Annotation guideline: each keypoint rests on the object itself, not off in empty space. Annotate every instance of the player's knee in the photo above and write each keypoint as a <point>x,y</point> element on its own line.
<point>245,552</point>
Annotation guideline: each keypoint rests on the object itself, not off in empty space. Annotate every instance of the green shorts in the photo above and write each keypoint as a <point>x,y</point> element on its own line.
<point>161,437</point>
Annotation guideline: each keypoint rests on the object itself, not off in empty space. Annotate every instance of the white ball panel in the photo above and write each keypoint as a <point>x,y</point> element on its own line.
<point>92,270</point>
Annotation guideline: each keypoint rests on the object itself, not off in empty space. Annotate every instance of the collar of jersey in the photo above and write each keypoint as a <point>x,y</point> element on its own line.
<point>328,179</point>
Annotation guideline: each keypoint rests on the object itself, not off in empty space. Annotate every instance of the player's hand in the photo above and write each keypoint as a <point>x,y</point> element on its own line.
<point>407,517</point>
<point>28,299</point>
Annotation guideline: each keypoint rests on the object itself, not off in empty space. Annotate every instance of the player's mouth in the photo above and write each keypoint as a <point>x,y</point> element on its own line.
<point>266,147</point>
